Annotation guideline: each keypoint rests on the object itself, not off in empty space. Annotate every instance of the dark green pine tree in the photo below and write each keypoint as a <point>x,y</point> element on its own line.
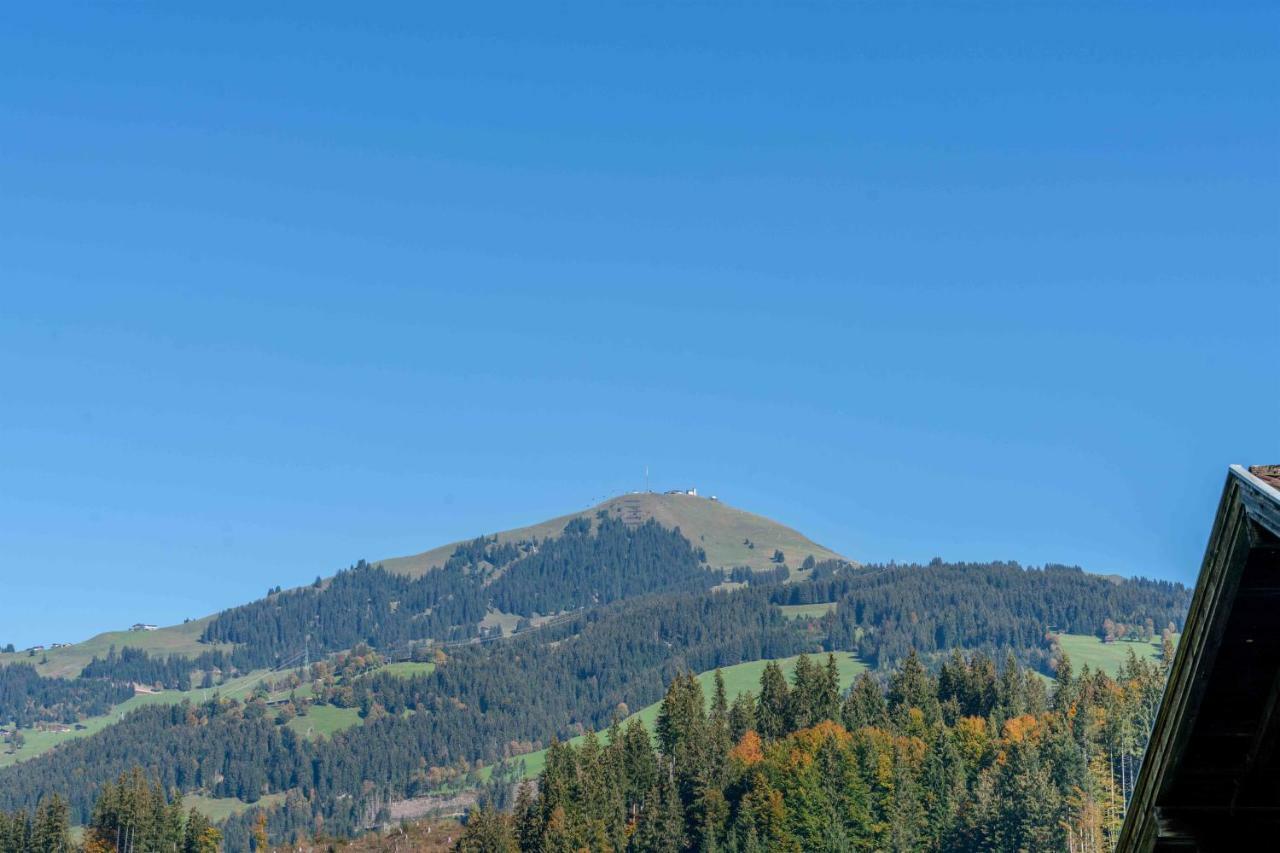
<point>1011,698</point>
<point>912,687</point>
<point>1027,816</point>
<point>130,812</point>
<point>773,704</point>
<point>954,687</point>
<point>681,716</point>
<point>802,705</point>
<point>487,831</point>
<point>1065,691</point>
<point>198,835</point>
<point>864,705</point>
<point>829,691</point>
<point>908,819</point>
<point>639,766</point>
<point>847,795</point>
<point>1063,755</point>
<point>711,814</point>
<point>983,688</point>
<point>51,829</point>
<point>742,715</point>
<point>942,782</point>
<point>528,817</point>
<point>719,699</point>
<point>662,825</point>
<point>685,737</point>
<point>719,733</point>
<point>173,824</point>
<point>15,832</point>
<point>601,793</point>
<point>560,800</point>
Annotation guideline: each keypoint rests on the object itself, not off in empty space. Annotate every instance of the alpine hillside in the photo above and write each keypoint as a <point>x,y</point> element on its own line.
<point>415,685</point>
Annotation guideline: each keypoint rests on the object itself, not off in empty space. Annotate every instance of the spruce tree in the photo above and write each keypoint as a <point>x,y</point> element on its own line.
<point>199,836</point>
<point>829,691</point>
<point>1064,686</point>
<point>1028,815</point>
<point>742,715</point>
<point>864,705</point>
<point>487,831</point>
<point>802,705</point>
<point>773,704</point>
<point>50,832</point>
<point>942,782</point>
<point>912,687</point>
<point>639,765</point>
<point>720,738</point>
<point>527,817</point>
<point>662,822</point>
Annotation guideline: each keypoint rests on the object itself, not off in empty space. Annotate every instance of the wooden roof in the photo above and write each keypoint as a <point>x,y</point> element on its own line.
<point>1211,776</point>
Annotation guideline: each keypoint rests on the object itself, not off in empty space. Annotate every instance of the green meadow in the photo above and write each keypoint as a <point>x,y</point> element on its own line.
<point>807,611</point>
<point>220,808</point>
<point>407,669</point>
<point>324,720</point>
<point>1087,649</point>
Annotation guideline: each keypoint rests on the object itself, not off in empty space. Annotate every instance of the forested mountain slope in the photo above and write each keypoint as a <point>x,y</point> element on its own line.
<point>485,702</point>
<point>980,757</point>
<point>726,536</point>
<point>602,613</point>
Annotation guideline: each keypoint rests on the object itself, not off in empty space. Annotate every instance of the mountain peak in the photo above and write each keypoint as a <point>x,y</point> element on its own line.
<point>730,536</point>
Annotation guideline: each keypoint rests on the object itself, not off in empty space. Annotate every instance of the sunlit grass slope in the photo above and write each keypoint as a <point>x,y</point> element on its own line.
<point>730,536</point>
<point>68,661</point>
<point>1087,649</point>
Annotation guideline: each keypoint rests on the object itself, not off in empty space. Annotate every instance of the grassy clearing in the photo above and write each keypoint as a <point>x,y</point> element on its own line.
<point>738,679</point>
<point>1108,657</point>
<point>807,611</point>
<point>324,720</point>
<point>497,619</point>
<point>407,669</point>
<point>221,808</point>
<point>67,662</point>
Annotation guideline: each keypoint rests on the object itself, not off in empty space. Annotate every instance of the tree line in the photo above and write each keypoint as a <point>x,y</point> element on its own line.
<point>585,565</point>
<point>130,814</point>
<point>482,703</point>
<point>975,757</point>
<point>27,698</point>
<point>485,703</point>
<point>885,611</point>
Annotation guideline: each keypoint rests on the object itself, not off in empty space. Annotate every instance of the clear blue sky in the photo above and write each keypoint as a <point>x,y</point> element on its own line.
<point>281,292</point>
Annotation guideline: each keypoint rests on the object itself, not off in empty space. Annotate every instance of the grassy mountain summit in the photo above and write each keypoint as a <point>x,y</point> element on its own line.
<point>730,536</point>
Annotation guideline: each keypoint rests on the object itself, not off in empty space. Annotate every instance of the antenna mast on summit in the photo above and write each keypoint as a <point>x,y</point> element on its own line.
<point>646,478</point>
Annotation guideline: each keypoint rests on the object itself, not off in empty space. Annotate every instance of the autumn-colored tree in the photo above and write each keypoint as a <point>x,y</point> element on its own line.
<point>259,834</point>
